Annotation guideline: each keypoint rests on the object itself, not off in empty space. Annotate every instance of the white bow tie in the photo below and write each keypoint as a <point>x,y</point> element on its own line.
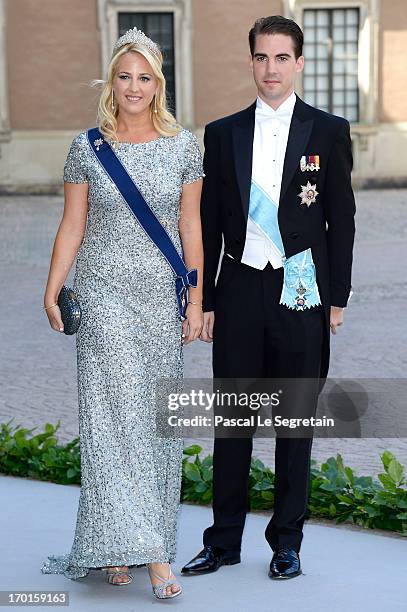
<point>283,115</point>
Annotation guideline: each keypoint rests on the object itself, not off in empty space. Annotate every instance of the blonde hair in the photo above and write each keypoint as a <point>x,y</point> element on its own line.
<point>164,122</point>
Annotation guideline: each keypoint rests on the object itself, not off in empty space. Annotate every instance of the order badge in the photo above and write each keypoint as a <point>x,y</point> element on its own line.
<point>308,194</point>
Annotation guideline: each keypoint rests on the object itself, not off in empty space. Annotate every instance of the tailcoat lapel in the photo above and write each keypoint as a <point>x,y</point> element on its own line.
<point>298,136</point>
<point>243,134</point>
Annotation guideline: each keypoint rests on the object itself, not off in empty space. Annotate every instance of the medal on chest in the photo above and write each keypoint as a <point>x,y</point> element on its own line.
<point>310,163</point>
<point>308,194</point>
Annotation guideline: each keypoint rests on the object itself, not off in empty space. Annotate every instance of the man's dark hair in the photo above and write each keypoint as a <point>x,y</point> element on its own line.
<point>276,24</point>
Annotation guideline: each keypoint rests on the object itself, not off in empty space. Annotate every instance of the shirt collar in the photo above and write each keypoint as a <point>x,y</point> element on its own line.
<point>284,111</point>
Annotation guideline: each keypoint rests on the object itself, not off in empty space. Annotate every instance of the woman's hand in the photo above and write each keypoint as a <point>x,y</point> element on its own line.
<point>191,238</point>
<point>69,237</point>
<point>192,326</point>
<point>54,316</point>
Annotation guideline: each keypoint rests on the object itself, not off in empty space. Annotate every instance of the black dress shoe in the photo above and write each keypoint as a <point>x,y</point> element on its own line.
<point>209,560</point>
<point>285,564</point>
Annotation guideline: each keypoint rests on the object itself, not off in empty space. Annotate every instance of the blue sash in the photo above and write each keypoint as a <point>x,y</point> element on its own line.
<point>145,216</point>
<point>300,289</point>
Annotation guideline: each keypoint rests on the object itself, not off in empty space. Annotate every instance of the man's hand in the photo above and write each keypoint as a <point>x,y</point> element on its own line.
<point>207,329</point>
<point>336,318</point>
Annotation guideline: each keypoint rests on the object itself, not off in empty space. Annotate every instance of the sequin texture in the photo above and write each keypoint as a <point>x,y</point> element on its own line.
<point>130,335</point>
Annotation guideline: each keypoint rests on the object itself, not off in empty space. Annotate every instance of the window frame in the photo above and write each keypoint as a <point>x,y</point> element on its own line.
<point>329,12</point>
<point>143,14</point>
<point>108,17</point>
<point>368,45</point>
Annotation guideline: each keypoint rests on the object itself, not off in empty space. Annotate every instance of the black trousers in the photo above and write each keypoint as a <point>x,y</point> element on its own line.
<point>256,337</point>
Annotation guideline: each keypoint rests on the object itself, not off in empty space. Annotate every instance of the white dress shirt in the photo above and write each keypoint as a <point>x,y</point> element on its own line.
<point>269,146</point>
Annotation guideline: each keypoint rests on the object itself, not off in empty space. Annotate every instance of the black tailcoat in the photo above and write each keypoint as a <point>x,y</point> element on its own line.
<point>326,226</point>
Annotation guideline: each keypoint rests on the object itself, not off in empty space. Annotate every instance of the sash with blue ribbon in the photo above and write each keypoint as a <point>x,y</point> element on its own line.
<point>300,289</point>
<point>145,216</point>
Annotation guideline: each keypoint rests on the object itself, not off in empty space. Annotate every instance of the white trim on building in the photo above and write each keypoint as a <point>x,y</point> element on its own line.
<point>369,136</point>
<point>108,11</point>
<point>4,105</point>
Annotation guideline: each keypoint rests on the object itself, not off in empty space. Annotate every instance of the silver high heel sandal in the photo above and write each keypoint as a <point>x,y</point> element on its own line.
<point>115,571</point>
<point>159,590</point>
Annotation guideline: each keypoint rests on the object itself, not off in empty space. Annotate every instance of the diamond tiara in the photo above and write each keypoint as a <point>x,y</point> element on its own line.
<point>138,37</point>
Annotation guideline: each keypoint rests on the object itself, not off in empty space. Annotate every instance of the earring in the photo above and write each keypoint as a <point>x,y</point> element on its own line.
<point>112,100</point>
<point>155,104</point>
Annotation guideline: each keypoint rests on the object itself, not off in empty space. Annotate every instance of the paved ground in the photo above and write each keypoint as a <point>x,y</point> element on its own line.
<point>37,377</point>
<point>359,571</point>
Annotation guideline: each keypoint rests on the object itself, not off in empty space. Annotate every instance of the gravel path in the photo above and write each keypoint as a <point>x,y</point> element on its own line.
<point>37,377</point>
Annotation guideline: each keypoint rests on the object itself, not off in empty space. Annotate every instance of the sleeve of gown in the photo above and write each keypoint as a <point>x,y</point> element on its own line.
<point>74,169</point>
<point>193,167</point>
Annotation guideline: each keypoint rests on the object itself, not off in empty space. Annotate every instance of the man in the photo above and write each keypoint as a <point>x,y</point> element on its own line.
<point>278,189</point>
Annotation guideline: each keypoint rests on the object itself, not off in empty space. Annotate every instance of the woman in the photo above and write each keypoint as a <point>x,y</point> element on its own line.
<point>131,333</point>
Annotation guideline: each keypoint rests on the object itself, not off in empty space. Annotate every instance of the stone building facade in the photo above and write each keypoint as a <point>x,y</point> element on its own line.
<point>355,53</point>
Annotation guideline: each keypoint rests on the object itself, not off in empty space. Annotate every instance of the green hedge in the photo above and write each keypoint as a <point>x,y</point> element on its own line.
<point>335,491</point>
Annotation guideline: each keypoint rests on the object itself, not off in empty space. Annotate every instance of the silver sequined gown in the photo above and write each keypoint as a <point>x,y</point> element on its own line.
<point>129,336</point>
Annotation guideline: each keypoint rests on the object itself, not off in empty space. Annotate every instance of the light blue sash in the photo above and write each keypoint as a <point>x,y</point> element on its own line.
<point>300,289</point>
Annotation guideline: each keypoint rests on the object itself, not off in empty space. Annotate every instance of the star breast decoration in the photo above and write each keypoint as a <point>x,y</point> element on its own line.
<point>308,194</point>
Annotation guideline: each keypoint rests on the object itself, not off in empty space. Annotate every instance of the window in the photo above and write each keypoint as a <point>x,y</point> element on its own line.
<point>331,61</point>
<point>160,28</point>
